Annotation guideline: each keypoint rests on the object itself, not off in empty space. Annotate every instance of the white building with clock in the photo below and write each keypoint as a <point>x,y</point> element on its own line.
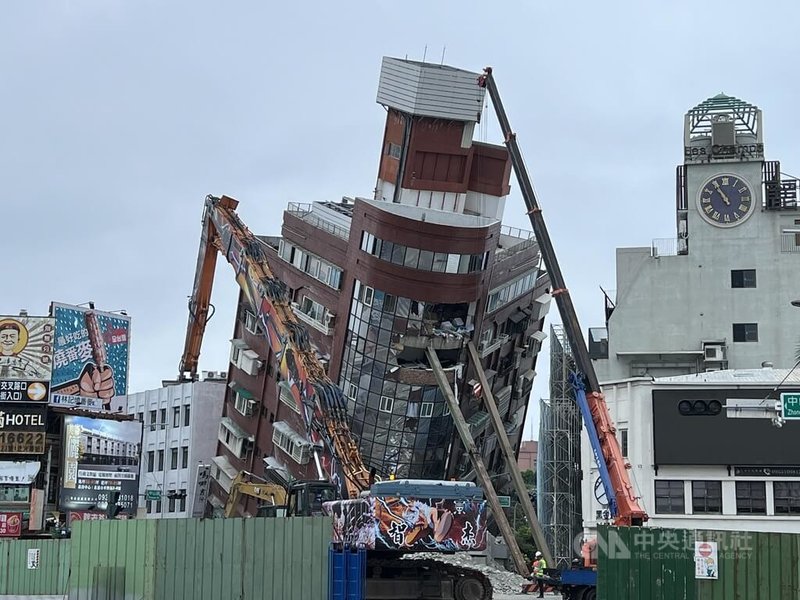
<point>718,297</point>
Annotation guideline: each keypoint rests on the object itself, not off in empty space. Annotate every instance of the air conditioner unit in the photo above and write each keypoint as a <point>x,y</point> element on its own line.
<point>211,374</point>
<point>223,374</point>
<point>714,352</point>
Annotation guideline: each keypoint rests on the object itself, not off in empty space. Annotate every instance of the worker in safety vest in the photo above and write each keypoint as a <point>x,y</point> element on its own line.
<point>539,565</point>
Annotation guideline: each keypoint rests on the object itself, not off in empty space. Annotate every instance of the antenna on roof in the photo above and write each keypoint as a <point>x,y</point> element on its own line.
<point>425,53</point>
<point>444,49</point>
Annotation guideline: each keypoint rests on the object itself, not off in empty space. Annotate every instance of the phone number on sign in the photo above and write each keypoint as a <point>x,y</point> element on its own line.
<point>21,442</point>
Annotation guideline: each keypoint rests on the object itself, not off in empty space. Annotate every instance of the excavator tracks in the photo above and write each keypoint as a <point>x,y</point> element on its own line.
<point>428,579</point>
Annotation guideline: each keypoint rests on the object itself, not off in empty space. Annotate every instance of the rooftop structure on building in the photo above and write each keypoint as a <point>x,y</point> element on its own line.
<point>425,261</point>
<point>693,330</point>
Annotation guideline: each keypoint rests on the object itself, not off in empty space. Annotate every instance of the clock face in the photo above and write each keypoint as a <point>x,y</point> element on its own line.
<point>725,200</point>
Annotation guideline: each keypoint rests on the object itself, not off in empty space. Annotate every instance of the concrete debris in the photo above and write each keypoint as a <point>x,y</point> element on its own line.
<point>503,582</point>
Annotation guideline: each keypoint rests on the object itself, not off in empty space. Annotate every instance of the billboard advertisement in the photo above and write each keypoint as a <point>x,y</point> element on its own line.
<point>26,358</point>
<point>101,456</point>
<point>10,524</point>
<point>22,428</point>
<point>90,359</point>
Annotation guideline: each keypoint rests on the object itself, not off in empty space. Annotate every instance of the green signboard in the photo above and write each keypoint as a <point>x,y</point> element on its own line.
<point>152,495</point>
<point>790,402</point>
<point>505,501</point>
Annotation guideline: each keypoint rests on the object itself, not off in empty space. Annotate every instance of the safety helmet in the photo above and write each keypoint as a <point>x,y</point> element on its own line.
<point>538,554</point>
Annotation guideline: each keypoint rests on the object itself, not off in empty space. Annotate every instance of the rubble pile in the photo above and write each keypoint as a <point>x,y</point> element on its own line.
<point>503,582</point>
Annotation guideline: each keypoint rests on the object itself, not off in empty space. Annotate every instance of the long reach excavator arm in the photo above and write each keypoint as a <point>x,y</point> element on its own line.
<point>318,399</point>
<point>623,502</point>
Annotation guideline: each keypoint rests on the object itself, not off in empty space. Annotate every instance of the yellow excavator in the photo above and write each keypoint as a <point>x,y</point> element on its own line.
<point>301,499</point>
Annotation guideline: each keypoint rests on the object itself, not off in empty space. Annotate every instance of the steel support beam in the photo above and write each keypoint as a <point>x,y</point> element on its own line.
<point>480,469</point>
<point>508,454</point>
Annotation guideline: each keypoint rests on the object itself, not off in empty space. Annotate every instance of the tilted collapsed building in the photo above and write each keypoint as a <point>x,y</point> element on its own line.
<point>425,261</point>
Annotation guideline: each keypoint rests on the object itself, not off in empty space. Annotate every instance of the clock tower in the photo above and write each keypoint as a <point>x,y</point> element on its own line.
<point>720,294</point>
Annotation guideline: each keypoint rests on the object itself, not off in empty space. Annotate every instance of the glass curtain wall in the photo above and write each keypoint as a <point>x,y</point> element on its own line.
<point>403,429</point>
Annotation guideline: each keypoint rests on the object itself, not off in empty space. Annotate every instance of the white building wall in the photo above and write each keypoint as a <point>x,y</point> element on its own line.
<point>169,430</point>
<point>667,304</point>
<point>631,406</point>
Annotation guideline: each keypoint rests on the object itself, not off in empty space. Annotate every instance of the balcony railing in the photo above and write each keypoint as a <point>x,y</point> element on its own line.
<point>305,213</point>
<point>790,242</point>
<point>668,247</point>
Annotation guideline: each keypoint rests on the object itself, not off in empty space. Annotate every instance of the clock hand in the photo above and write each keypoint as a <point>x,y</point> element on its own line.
<point>724,197</point>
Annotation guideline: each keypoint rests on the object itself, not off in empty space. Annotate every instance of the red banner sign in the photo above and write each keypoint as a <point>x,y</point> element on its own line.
<point>82,515</point>
<point>10,524</point>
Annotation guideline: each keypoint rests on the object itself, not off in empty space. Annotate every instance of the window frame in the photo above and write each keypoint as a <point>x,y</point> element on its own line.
<point>386,404</point>
<point>678,507</point>
<point>745,332</point>
<point>741,498</point>
<point>741,279</point>
<point>701,496</point>
<point>792,507</point>
<point>426,410</point>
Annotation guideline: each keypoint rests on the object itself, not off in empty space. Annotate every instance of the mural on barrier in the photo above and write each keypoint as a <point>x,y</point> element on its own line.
<point>410,524</point>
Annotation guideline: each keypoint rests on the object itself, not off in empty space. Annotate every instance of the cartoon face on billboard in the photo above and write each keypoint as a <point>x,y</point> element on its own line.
<point>13,337</point>
<point>26,348</point>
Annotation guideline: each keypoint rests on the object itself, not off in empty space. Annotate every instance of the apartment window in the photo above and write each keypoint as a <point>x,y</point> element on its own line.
<point>386,404</point>
<point>151,461</point>
<point>367,293</point>
<point>313,309</point>
<point>743,278</point>
<point>160,460</point>
<point>393,150</point>
<point>426,410</point>
<point>751,498</point>
<point>250,322</point>
<point>669,497</point>
<point>173,459</point>
<point>389,303</point>
<point>176,416</point>
<point>186,415</point>
<point>185,457</point>
<point>352,391</point>
<point>243,402</point>
<point>163,415</point>
<point>787,497</point>
<point>149,506</point>
<point>158,506</point>
<point>707,497</point>
<point>287,398</point>
<point>152,420</point>
<point>181,500</point>
<point>171,500</point>
<point>797,235</point>
<point>745,332</point>
<point>140,417</point>
<point>623,442</point>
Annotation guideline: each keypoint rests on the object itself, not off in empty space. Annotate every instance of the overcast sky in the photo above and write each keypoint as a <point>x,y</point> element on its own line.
<point>119,117</point>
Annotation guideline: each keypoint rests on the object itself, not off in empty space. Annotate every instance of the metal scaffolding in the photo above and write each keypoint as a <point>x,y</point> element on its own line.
<point>558,466</point>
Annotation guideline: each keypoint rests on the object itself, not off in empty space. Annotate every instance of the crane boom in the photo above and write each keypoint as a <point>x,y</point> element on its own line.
<point>599,424</point>
<point>318,399</point>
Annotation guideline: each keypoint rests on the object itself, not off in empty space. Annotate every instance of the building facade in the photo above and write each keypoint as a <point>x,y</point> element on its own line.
<point>719,295</point>
<point>693,331</point>
<point>704,452</point>
<point>426,261</point>
<point>180,424</point>
<point>528,451</point>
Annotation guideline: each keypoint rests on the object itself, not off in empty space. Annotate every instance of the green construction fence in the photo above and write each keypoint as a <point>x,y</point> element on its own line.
<point>647,563</point>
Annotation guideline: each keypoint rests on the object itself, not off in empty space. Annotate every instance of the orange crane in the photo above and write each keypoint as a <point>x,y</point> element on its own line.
<point>318,399</point>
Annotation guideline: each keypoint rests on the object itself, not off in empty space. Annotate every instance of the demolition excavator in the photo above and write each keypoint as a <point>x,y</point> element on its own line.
<point>390,518</point>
